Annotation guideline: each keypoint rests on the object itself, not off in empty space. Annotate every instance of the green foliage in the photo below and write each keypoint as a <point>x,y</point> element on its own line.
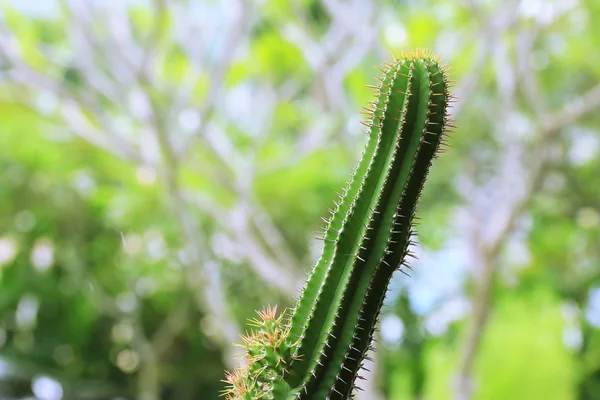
<point>510,329</point>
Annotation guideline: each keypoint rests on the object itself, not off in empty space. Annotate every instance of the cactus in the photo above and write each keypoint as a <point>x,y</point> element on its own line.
<point>316,350</point>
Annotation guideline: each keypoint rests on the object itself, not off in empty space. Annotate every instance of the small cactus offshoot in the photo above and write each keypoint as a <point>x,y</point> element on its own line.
<point>269,353</point>
<point>317,350</point>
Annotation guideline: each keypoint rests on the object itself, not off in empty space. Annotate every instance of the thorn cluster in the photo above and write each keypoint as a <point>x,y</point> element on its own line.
<point>265,362</point>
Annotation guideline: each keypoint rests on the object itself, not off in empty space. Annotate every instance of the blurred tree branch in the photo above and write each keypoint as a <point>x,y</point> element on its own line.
<point>115,67</point>
<point>524,168</point>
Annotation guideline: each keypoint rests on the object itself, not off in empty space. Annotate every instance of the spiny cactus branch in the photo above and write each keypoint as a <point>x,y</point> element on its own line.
<point>367,239</point>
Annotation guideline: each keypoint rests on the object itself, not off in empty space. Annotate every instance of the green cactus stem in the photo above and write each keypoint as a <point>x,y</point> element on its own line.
<point>318,354</point>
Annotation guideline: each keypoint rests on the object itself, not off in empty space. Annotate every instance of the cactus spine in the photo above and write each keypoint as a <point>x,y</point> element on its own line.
<point>319,353</point>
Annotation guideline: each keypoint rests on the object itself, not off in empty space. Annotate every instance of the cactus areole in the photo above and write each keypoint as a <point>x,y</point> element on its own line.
<point>317,350</point>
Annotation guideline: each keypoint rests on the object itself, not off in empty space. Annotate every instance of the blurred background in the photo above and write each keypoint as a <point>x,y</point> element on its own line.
<point>163,165</point>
